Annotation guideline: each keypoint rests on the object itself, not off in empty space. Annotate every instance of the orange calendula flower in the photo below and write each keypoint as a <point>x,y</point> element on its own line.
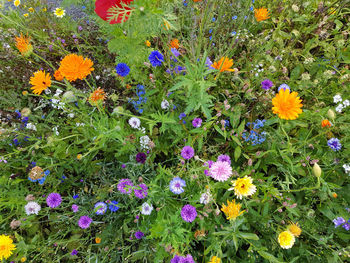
<point>224,64</point>
<point>326,123</point>
<point>98,240</point>
<point>97,96</point>
<point>58,76</point>
<point>148,44</point>
<point>334,195</point>
<point>174,43</point>
<point>197,0</point>
<point>40,82</point>
<point>261,14</point>
<point>23,45</point>
<point>75,67</point>
<point>287,105</point>
<point>232,210</point>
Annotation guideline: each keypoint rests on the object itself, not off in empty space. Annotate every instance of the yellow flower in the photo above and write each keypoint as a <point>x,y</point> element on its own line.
<point>23,45</point>
<point>98,240</point>
<point>23,259</point>
<point>6,247</point>
<point>31,9</point>
<point>40,82</point>
<point>287,105</point>
<point>44,9</point>
<point>17,2</point>
<point>148,44</point>
<point>294,229</point>
<point>224,64</point>
<point>286,239</point>
<point>215,259</point>
<point>243,187</point>
<point>26,15</point>
<point>59,12</point>
<point>232,210</point>
<point>261,14</point>
<point>79,156</point>
<point>97,96</point>
<point>24,93</point>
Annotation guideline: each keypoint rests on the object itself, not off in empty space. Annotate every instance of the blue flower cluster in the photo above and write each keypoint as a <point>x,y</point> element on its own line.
<point>254,136</point>
<point>24,120</point>
<point>140,91</point>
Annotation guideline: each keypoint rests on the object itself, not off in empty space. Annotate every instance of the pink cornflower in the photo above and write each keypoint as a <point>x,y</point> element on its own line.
<point>220,171</point>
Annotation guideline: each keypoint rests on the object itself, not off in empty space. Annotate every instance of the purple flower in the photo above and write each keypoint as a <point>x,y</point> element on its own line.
<point>139,234</point>
<point>188,213</point>
<point>182,115</point>
<point>187,259</point>
<point>84,222</point>
<point>175,52</point>
<point>75,208</point>
<point>141,193</point>
<point>197,122</point>
<point>141,157</point>
<point>346,226</point>
<point>156,58</point>
<point>125,186</point>
<point>266,84</point>
<point>53,200</point>
<point>187,152</point>
<point>74,252</point>
<point>176,259</point>
<point>208,163</point>
<point>80,28</point>
<point>100,208</point>
<point>224,158</point>
<point>283,86</point>
<point>209,63</point>
<point>176,185</point>
<point>338,221</point>
<point>334,143</point>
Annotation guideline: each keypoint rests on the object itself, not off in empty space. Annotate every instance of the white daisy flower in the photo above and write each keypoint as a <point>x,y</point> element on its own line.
<point>146,209</point>
<point>339,108</point>
<point>32,208</point>
<point>165,105</point>
<point>134,122</point>
<point>337,98</point>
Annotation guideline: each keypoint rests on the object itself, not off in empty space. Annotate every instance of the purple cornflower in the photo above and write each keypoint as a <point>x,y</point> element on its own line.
<point>187,152</point>
<point>188,213</point>
<point>74,252</point>
<point>187,259</point>
<point>53,200</point>
<point>141,193</point>
<point>176,185</point>
<point>80,28</point>
<point>100,208</point>
<point>334,143</point>
<point>338,221</point>
<point>122,69</point>
<point>224,158</point>
<point>176,259</point>
<point>125,186</point>
<point>139,234</point>
<point>156,58</point>
<point>266,84</point>
<point>84,222</point>
<point>141,157</point>
<point>346,226</point>
<point>283,86</point>
<point>197,122</point>
<point>175,52</point>
<point>75,208</point>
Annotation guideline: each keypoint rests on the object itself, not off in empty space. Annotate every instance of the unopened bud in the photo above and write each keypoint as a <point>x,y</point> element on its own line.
<point>331,114</point>
<point>317,171</point>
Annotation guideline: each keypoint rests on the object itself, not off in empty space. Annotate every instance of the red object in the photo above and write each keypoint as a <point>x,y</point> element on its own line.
<point>102,6</point>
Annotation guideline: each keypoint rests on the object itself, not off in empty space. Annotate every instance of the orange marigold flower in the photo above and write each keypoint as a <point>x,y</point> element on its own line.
<point>224,64</point>
<point>97,96</point>
<point>148,44</point>
<point>261,14</point>
<point>98,240</point>
<point>287,105</point>
<point>326,123</point>
<point>334,195</point>
<point>174,43</point>
<point>58,76</point>
<point>23,45</point>
<point>197,0</point>
<point>40,82</point>
<point>75,67</point>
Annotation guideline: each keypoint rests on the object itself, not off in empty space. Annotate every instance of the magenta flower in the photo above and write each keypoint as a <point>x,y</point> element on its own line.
<point>224,158</point>
<point>220,171</point>
<point>187,152</point>
<point>141,193</point>
<point>75,208</point>
<point>188,213</point>
<point>125,186</point>
<point>266,84</point>
<point>139,234</point>
<point>84,222</point>
<point>197,122</point>
<point>53,200</point>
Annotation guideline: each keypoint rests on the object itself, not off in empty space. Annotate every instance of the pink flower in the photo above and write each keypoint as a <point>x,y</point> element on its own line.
<point>220,171</point>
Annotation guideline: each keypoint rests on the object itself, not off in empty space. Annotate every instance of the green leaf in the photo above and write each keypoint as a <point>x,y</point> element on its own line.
<point>238,152</point>
<point>269,257</point>
<point>248,236</point>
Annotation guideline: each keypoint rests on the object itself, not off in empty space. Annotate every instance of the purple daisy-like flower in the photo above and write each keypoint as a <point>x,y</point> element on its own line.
<point>187,152</point>
<point>209,63</point>
<point>125,186</point>
<point>346,226</point>
<point>266,84</point>
<point>197,122</point>
<point>156,58</point>
<point>188,213</point>
<point>176,185</point>
<point>100,208</point>
<point>338,221</point>
<point>224,158</point>
<point>175,52</point>
<point>74,252</point>
<point>187,259</point>
<point>139,234</point>
<point>75,208</point>
<point>176,259</point>
<point>334,143</point>
<point>141,193</point>
<point>53,200</point>
<point>141,157</point>
<point>84,222</point>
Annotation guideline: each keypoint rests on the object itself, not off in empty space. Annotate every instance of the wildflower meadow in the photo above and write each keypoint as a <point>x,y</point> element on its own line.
<point>179,131</point>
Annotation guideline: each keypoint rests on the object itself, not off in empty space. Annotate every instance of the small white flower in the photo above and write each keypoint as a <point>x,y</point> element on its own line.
<point>205,198</point>
<point>339,108</point>
<point>47,91</point>
<point>55,130</point>
<point>346,103</point>
<point>146,209</point>
<point>135,122</point>
<point>144,142</point>
<point>71,115</point>
<point>337,98</point>
<point>31,126</point>
<point>32,208</point>
<point>346,168</point>
<point>98,77</point>
<point>165,105</point>
<point>58,91</point>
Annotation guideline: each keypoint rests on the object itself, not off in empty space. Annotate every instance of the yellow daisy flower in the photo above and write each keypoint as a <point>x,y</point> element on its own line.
<point>215,259</point>
<point>59,12</point>
<point>294,229</point>
<point>243,187</point>
<point>232,210</point>
<point>31,9</point>
<point>17,3</point>
<point>286,239</point>
<point>6,247</point>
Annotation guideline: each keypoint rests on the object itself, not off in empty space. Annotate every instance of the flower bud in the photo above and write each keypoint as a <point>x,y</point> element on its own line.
<point>69,96</point>
<point>331,114</point>
<point>317,171</point>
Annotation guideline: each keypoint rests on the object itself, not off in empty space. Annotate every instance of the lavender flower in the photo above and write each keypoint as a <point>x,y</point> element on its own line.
<point>209,63</point>
<point>197,122</point>
<point>125,186</point>
<point>187,152</point>
<point>334,143</point>
<point>141,193</point>
<point>224,158</point>
<point>139,234</point>
<point>175,52</point>
<point>338,221</point>
<point>346,226</point>
<point>84,222</point>
<point>176,185</point>
<point>187,259</point>
<point>188,213</point>
<point>176,259</point>
<point>75,208</point>
<point>74,252</point>
<point>53,200</point>
<point>266,84</point>
<point>141,157</point>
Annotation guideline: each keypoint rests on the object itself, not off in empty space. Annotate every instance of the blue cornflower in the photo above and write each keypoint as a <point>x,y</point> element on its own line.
<point>156,58</point>
<point>122,69</point>
<point>100,208</point>
<point>75,196</point>
<point>334,143</point>
<point>210,31</point>
<point>234,17</point>
<point>113,206</point>
<point>338,221</point>
<point>214,19</point>
<point>182,115</point>
<point>283,86</point>
<point>177,185</point>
